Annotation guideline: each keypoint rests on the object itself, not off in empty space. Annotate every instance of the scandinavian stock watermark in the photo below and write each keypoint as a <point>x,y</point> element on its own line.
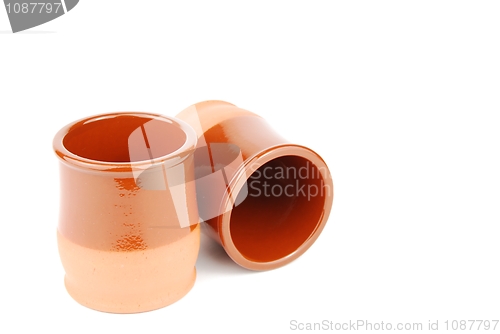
<point>289,181</point>
<point>224,178</point>
<point>368,325</point>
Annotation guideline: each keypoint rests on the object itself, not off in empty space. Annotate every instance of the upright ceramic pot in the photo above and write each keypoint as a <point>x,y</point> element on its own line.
<point>265,200</point>
<point>128,232</point>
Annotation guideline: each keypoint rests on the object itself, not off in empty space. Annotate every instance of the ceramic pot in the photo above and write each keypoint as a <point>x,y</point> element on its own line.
<point>264,199</point>
<point>128,231</point>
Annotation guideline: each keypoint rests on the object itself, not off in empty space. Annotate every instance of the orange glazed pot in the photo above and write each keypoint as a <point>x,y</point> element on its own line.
<point>264,199</point>
<point>128,231</point>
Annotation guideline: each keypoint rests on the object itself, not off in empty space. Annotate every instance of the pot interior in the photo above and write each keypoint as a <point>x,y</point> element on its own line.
<point>282,208</point>
<point>124,138</point>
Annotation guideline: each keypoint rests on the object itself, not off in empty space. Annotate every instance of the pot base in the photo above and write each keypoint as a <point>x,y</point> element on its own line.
<point>130,282</point>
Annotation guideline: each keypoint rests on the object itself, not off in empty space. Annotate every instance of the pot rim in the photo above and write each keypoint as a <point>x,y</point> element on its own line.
<point>172,158</point>
<point>241,177</point>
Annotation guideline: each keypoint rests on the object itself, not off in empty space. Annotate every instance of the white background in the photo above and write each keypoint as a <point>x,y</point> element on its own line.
<point>401,99</point>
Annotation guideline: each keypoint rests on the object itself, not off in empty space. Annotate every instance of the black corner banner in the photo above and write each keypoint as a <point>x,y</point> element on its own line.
<point>26,14</point>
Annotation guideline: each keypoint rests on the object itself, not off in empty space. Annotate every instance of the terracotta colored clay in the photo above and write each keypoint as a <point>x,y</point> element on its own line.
<point>128,232</point>
<point>265,199</point>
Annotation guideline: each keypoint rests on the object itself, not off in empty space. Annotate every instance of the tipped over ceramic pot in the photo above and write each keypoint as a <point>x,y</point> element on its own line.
<point>263,198</point>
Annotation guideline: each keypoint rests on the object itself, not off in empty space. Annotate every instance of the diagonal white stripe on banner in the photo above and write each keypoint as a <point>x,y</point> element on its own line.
<point>64,6</point>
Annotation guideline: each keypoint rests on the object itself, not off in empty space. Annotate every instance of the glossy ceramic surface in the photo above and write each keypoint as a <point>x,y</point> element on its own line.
<point>128,231</point>
<point>264,199</point>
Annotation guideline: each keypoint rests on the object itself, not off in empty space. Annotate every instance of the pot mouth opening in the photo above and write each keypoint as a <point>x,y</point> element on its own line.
<point>281,210</point>
<point>124,139</point>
